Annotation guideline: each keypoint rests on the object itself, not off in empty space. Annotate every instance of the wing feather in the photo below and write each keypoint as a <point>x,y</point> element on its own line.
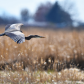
<point>13,27</point>
<point>17,36</point>
<point>7,27</point>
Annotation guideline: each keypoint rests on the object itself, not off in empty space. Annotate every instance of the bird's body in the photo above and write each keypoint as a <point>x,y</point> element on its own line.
<point>13,31</point>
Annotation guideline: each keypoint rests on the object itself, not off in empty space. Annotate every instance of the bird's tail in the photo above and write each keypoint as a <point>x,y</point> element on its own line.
<point>2,34</point>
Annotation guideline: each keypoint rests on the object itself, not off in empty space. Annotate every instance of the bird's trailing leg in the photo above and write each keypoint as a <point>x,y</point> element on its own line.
<point>2,34</point>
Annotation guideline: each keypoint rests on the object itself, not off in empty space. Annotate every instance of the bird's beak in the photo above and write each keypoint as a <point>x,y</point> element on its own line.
<point>42,37</point>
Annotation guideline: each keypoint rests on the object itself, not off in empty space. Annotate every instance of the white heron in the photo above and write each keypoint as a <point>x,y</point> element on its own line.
<point>13,31</point>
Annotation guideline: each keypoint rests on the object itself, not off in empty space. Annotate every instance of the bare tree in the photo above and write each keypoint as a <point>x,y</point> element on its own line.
<point>70,7</point>
<point>42,11</point>
<point>57,15</point>
<point>25,15</point>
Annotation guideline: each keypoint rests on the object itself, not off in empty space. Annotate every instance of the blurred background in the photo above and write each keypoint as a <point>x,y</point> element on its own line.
<point>43,13</point>
<point>56,59</point>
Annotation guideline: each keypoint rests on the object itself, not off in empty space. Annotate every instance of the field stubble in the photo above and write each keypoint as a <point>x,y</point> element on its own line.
<point>26,62</point>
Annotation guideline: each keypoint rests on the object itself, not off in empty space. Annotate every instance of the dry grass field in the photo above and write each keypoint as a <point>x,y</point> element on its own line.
<point>56,59</point>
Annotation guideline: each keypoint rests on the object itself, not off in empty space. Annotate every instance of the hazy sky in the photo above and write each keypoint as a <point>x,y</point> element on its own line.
<point>14,7</point>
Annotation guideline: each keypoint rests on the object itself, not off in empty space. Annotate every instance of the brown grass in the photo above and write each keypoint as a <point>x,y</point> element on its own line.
<point>67,76</point>
<point>59,50</point>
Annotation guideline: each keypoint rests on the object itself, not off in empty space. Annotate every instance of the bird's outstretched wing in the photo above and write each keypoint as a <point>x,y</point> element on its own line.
<point>13,27</point>
<point>17,36</point>
<point>7,26</point>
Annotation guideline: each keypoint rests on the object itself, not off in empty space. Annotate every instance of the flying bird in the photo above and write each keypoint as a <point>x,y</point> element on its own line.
<point>13,31</point>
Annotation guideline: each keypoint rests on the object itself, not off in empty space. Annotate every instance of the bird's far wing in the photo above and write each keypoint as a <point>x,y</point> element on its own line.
<point>16,26</point>
<point>7,27</point>
<point>17,36</point>
<point>13,27</point>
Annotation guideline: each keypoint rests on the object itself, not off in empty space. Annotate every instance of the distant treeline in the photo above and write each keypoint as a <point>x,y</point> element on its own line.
<point>52,14</point>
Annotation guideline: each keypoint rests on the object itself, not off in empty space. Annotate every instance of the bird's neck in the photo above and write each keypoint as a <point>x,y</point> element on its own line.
<point>27,38</point>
